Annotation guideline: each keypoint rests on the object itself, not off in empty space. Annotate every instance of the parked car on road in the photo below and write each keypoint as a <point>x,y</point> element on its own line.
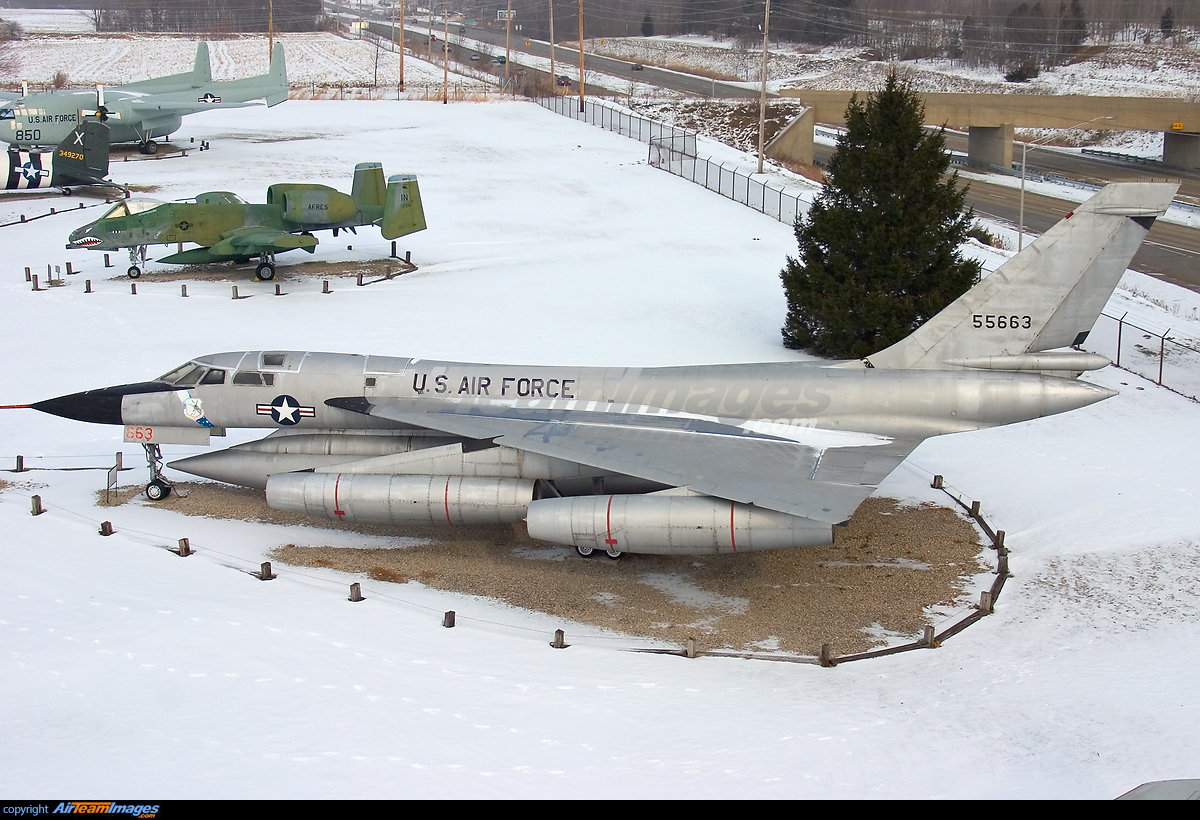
<point>563,79</point>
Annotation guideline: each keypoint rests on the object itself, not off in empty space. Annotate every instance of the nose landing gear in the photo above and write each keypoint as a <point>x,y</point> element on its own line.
<point>158,488</point>
<point>137,258</point>
<point>266,266</point>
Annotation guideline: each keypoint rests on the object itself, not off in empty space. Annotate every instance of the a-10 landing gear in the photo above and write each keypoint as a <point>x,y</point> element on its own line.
<point>266,266</point>
<point>158,488</point>
<point>137,258</point>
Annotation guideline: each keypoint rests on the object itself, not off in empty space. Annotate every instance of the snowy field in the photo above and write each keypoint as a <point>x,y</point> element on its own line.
<point>127,670</point>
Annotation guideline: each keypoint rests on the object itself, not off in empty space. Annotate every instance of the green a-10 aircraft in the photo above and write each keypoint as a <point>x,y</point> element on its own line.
<point>229,229</point>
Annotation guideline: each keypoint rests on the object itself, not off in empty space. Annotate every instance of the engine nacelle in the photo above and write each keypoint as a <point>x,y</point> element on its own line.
<point>670,525</point>
<point>401,499</point>
<point>317,205</point>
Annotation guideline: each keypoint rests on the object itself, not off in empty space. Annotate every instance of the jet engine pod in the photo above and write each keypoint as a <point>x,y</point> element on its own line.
<point>317,205</point>
<point>401,499</point>
<point>670,525</point>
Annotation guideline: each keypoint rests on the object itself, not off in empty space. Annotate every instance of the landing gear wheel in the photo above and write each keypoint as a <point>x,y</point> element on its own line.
<point>134,272</point>
<point>613,556</point>
<point>149,147</point>
<point>584,551</point>
<point>265,271</point>
<point>158,490</point>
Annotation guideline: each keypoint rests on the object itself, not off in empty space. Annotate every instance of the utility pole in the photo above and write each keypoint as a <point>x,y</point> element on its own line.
<point>762,100</point>
<point>446,53</point>
<point>580,56</point>
<point>553,75</point>
<point>507,38</point>
<point>270,30</point>
<point>401,45</point>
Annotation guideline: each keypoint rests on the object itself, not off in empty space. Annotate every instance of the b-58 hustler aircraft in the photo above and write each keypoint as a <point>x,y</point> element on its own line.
<point>229,229</point>
<point>674,460</point>
<point>138,112</point>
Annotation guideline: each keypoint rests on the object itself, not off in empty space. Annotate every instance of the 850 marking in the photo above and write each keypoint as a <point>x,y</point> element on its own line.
<point>1002,322</point>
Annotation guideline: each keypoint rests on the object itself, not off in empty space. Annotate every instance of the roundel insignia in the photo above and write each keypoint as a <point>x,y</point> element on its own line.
<point>286,410</point>
<point>184,225</point>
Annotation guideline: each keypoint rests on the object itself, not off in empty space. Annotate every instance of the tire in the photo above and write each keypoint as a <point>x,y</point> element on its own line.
<point>158,490</point>
<point>149,147</point>
<point>584,551</point>
<point>134,272</point>
<point>265,271</point>
<point>613,556</point>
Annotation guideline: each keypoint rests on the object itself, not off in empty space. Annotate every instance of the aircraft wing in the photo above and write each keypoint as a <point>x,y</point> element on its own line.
<point>819,474</point>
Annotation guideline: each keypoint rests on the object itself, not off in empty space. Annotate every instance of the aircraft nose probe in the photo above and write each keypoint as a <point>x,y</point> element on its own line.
<point>100,406</point>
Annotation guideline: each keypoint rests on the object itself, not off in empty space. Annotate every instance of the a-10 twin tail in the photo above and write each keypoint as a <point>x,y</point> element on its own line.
<point>676,460</point>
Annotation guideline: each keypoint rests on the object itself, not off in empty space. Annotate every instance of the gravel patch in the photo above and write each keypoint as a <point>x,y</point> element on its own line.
<point>885,577</point>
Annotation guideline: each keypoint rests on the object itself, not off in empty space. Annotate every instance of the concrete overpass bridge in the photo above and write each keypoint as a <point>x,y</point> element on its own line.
<point>991,118</point>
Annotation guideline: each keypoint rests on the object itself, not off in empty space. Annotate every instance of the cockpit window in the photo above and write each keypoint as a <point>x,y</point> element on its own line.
<point>130,206</point>
<point>184,375</point>
<point>214,376</point>
<point>250,377</point>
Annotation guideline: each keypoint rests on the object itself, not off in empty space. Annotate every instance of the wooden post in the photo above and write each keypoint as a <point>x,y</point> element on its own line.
<point>927,638</point>
<point>35,282</point>
<point>69,271</point>
<point>937,482</point>
<point>185,548</point>
<point>107,261</point>
<point>20,464</point>
<point>690,649</point>
<point>827,657</point>
<point>559,641</point>
<point>36,504</point>
<point>265,573</point>
<point>974,509</point>
<point>408,257</point>
<point>133,288</point>
<point>448,619</point>
<point>360,279</point>
<point>183,291</point>
<point>106,528</point>
<point>998,543</point>
<point>278,289</point>
<point>235,292</point>
<point>356,592</point>
<point>393,250</point>
<point>28,275</point>
<point>985,603</point>
<point>325,286</point>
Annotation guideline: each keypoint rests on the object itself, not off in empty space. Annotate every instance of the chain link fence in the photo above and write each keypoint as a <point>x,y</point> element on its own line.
<point>1150,353</point>
<point>673,149</point>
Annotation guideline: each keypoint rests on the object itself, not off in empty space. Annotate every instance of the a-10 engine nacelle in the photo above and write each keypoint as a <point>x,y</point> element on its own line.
<point>312,204</point>
<point>670,525</point>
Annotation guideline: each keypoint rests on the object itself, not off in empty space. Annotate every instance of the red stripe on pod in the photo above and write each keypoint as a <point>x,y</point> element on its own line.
<point>732,539</point>
<point>448,521</point>
<point>337,507</point>
<point>612,542</point>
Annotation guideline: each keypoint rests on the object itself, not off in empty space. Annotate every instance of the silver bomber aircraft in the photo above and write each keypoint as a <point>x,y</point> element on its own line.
<point>672,460</point>
<point>137,112</point>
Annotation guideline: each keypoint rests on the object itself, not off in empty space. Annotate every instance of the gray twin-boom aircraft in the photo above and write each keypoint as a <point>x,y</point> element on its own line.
<point>671,460</point>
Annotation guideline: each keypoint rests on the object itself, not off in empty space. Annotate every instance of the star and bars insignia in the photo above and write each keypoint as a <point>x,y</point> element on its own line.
<point>286,410</point>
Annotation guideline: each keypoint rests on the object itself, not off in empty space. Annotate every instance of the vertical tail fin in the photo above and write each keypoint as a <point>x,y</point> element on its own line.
<point>277,77</point>
<point>402,211</point>
<point>82,158</point>
<point>1048,296</point>
<point>370,187</point>
<point>202,70</point>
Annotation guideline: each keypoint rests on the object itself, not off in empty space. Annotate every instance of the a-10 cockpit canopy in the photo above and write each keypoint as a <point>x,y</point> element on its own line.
<point>128,207</point>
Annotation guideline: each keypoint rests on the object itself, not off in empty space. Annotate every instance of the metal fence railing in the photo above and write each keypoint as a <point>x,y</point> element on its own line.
<point>612,117</point>
<point>674,149</point>
<point>1149,353</point>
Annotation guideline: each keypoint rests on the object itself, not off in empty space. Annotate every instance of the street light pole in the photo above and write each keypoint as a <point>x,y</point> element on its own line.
<point>1024,153</point>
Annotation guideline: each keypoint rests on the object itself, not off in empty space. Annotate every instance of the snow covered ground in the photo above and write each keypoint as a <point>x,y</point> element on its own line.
<point>127,670</point>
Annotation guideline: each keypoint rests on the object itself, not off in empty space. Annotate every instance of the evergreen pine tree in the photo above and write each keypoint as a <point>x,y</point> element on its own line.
<point>879,247</point>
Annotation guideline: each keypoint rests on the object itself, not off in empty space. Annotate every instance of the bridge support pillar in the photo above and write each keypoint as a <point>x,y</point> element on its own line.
<point>990,146</point>
<point>795,142</point>
<point>1181,149</point>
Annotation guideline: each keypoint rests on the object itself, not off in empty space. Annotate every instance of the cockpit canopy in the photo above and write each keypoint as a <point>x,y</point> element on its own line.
<point>128,207</point>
